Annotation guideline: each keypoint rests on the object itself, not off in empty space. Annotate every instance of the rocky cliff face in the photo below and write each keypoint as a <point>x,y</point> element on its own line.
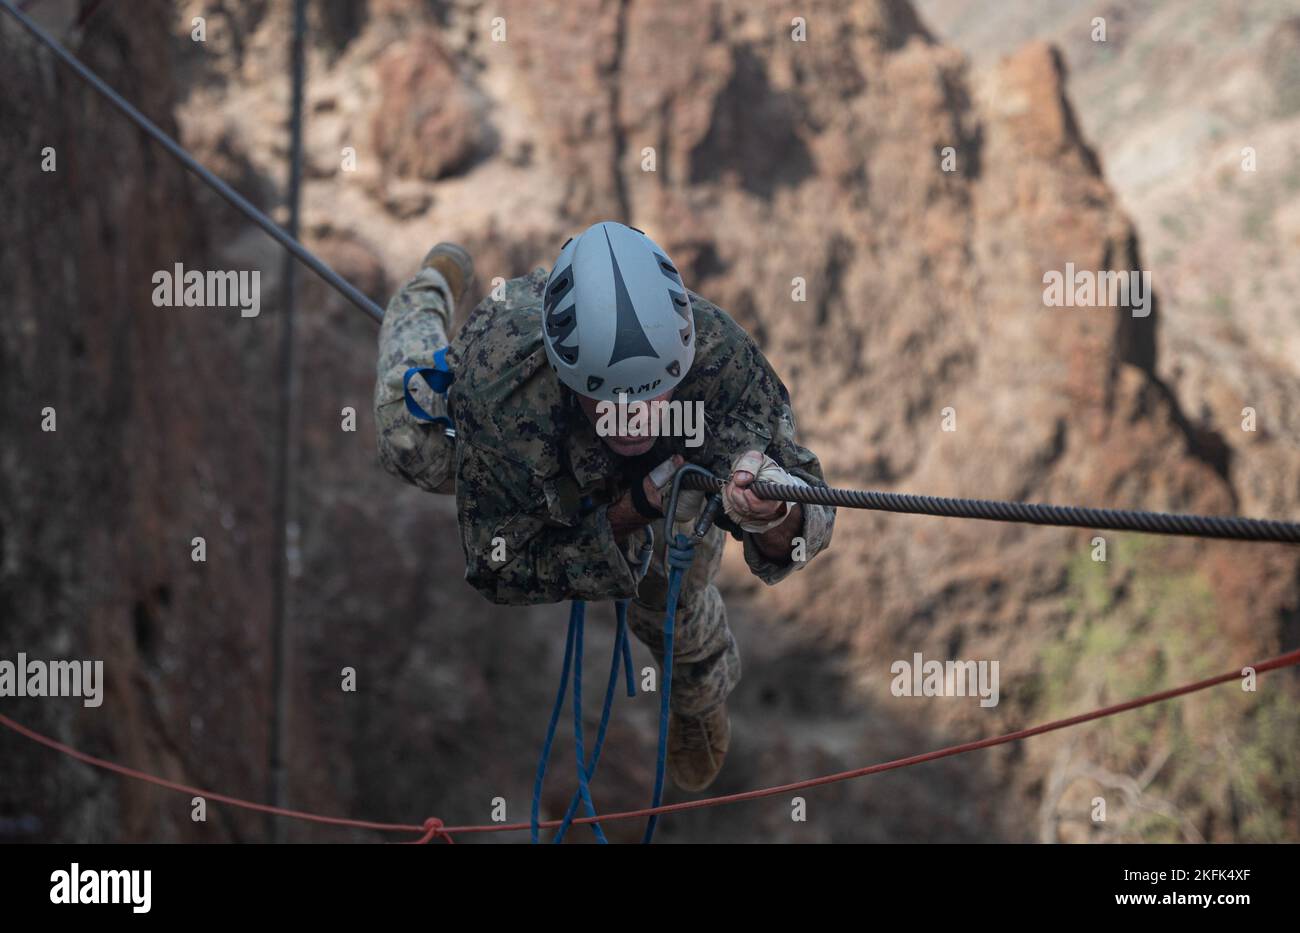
<point>799,184</point>
<point>157,441</point>
<point>1194,109</point>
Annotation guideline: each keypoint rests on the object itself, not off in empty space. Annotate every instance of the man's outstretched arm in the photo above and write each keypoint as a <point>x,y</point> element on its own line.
<point>757,419</point>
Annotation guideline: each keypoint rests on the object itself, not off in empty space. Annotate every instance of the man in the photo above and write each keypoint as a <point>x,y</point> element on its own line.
<point>554,503</point>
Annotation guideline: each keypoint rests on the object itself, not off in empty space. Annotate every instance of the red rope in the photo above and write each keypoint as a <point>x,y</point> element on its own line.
<point>434,828</point>
<point>430,828</point>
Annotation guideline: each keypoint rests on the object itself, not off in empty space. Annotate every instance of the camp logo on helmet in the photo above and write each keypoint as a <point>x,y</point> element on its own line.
<point>648,387</point>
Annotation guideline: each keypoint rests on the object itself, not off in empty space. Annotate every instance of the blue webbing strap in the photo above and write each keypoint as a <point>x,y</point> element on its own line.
<point>439,378</point>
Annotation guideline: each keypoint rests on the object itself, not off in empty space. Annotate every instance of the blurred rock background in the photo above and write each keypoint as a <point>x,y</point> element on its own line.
<point>772,160</point>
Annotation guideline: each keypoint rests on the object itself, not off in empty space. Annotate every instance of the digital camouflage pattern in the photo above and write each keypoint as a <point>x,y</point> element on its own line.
<point>533,480</point>
<point>415,327</point>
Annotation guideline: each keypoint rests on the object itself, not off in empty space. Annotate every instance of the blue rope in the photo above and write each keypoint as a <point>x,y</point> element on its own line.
<point>679,552</point>
<point>621,650</point>
<point>578,615</point>
<point>573,662</point>
<point>555,719</point>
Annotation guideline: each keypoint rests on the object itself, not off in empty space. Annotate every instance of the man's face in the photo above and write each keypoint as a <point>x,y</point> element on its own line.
<point>625,445</point>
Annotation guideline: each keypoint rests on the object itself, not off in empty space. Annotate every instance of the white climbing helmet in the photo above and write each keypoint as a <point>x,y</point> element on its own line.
<point>616,318</point>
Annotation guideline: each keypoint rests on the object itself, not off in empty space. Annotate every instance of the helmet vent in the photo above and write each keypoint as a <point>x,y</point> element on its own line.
<point>559,287</point>
<point>561,322</point>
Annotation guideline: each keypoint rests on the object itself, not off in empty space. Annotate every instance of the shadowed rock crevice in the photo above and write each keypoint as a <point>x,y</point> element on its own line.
<point>619,148</point>
<point>1135,344</point>
<point>342,21</point>
<point>754,135</point>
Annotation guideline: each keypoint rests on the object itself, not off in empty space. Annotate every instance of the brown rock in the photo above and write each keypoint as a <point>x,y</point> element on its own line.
<point>425,125</point>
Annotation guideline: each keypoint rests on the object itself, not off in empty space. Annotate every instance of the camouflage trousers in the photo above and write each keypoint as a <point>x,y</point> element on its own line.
<point>706,662</point>
<point>415,328</point>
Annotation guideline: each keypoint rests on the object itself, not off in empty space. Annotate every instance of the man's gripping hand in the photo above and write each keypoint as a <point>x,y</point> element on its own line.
<point>774,524</point>
<point>623,515</point>
<point>742,505</point>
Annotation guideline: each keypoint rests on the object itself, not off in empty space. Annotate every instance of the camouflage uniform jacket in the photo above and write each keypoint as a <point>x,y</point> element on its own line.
<point>527,457</point>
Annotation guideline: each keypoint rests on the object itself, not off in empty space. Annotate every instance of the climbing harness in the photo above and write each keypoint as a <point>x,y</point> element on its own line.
<point>679,551</point>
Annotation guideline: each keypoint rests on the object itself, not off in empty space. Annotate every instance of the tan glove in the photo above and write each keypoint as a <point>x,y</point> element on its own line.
<point>739,504</point>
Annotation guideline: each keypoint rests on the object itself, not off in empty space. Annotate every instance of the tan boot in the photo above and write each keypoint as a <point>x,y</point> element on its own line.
<point>697,746</point>
<point>457,267</point>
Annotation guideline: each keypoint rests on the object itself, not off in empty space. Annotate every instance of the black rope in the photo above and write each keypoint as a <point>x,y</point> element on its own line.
<point>286,511</point>
<point>1156,523</point>
<point>237,200</point>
